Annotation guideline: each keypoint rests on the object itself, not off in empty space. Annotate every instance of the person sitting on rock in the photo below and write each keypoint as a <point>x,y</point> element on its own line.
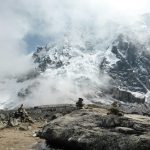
<point>115,109</point>
<point>79,103</point>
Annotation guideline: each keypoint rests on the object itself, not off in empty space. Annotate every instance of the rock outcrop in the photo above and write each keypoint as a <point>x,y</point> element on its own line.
<point>127,62</point>
<point>141,109</point>
<point>92,129</point>
<point>128,96</point>
<point>12,118</point>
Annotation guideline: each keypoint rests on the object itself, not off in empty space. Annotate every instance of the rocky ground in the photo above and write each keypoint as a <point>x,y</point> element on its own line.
<point>22,135</point>
<point>65,127</point>
<point>19,138</point>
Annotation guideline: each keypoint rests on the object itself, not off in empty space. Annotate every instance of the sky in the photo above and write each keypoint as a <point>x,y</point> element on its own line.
<point>25,24</point>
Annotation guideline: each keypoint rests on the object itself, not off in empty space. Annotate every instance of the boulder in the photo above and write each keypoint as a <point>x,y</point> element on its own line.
<point>2,117</point>
<point>94,130</point>
<point>12,122</point>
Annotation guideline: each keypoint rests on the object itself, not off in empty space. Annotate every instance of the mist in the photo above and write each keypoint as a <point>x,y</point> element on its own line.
<point>81,21</point>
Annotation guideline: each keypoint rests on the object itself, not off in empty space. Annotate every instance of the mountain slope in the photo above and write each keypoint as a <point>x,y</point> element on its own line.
<point>130,67</point>
<point>65,70</point>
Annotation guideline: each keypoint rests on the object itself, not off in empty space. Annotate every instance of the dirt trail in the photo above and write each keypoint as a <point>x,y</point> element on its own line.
<point>16,139</point>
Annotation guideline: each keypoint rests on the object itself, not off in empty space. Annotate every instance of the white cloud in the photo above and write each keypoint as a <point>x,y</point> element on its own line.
<point>13,28</point>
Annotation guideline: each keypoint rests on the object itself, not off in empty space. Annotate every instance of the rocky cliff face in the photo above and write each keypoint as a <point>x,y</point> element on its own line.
<point>128,96</point>
<point>127,62</point>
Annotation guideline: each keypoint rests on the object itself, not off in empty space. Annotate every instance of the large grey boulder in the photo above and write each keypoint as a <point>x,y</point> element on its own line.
<point>92,129</point>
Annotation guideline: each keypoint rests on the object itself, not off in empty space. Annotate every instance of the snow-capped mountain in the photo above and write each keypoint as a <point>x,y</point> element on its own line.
<point>74,68</point>
<point>126,61</point>
<point>63,72</point>
<point>85,65</point>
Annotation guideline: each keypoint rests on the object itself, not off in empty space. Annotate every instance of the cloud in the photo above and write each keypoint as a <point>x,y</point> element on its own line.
<point>52,18</point>
<point>13,59</point>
